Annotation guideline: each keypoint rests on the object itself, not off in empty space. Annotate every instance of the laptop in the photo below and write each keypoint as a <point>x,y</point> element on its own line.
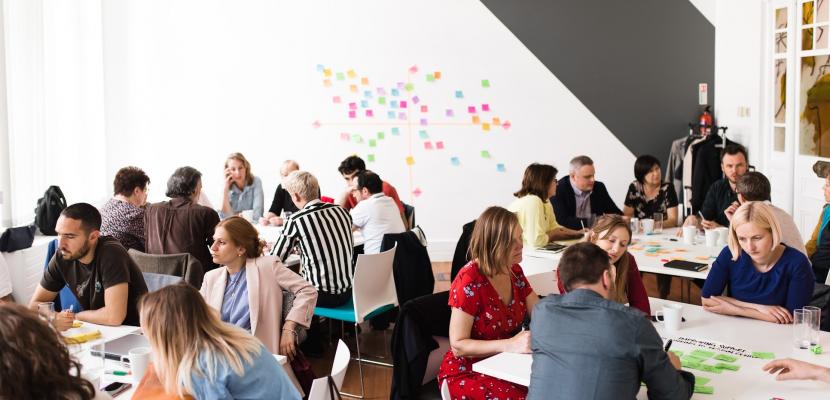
<point>121,347</point>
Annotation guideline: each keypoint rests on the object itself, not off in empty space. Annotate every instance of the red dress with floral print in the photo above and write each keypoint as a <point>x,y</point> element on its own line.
<point>472,293</point>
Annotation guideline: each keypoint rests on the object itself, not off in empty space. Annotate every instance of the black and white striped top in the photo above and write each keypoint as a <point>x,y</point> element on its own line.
<point>324,233</point>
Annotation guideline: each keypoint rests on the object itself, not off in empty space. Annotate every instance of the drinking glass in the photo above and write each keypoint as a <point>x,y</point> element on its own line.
<point>801,328</point>
<point>658,223</point>
<point>635,226</point>
<point>47,311</point>
<point>815,324</point>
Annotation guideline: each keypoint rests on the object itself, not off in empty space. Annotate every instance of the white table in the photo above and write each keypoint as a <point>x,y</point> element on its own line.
<point>26,268</point>
<point>750,382</point>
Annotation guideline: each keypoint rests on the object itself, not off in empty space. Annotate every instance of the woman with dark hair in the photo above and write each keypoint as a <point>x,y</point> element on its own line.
<point>612,234</point>
<point>490,299</point>
<point>649,195</point>
<point>243,190</point>
<point>532,207</point>
<point>122,216</point>
<point>34,362</point>
<point>181,225</point>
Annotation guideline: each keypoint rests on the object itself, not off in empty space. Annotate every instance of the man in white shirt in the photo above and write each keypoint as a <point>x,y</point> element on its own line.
<point>754,186</point>
<point>375,214</point>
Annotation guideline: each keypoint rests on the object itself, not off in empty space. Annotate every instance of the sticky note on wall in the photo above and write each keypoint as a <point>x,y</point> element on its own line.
<point>500,168</point>
<point>427,145</point>
<point>485,83</point>
<point>439,145</point>
<point>459,94</point>
<point>395,131</point>
<point>370,157</point>
<point>455,161</point>
<point>410,160</point>
<point>485,154</point>
<point>423,134</point>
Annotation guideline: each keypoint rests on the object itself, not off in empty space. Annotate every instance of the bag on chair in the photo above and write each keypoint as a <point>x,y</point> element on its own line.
<point>48,210</point>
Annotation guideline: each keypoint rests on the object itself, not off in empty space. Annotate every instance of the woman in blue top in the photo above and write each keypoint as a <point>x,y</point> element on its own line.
<point>197,354</point>
<point>767,280</point>
<point>243,191</point>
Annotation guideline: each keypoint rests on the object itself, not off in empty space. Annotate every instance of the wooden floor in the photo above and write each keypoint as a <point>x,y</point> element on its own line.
<point>378,380</point>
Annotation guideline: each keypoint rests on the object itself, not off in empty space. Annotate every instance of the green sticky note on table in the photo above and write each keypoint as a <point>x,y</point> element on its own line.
<point>701,380</point>
<point>485,83</point>
<point>731,367</point>
<point>709,368</point>
<point>726,357</point>
<point>704,389</point>
<point>372,143</point>
<point>690,364</point>
<point>763,355</point>
<point>691,358</point>
<point>704,354</point>
<point>485,154</point>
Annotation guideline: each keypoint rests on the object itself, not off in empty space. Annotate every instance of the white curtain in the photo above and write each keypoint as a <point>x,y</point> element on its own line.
<point>55,97</point>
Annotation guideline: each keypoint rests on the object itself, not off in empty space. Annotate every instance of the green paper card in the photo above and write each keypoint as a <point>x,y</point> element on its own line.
<point>690,364</point>
<point>726,357</point>
<point>701,380</point>
<point>704,389</point>
<point>704,354</point>
<point>763,355</point>
<point>710,368</point>
<point>692,358</point>
<point>731,367</point>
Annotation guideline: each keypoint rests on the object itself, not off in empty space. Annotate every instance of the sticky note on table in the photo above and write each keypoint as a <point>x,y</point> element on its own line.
<point>390,114</point>
<point>689,364</point>
<point>424,108</point>
<point>704,389</point>
<point>357,139</point>
<point>423,134</point>
<point>459,94</point>
<point>320,68</point>
<point>763,355</point>
<point>410,160</point>
<point>427,145</point>
<point>450,113</point>
<point>726,357</point>
<point>485,83</point>
<point>373,143</point>
<point>370,157</point>
<point>415,99</point>
<point>485,107</point>
<point>417,192</point>
<point>710,368</point>
<point>471,109</point>
<point>402,115</point>
<point>455,161</point>
<point>367,94</point>
<point>381,91</point>
<point>353,88</point>
<point>400,85</point>
<point>731,367</point>
<point>701,380</point>
<point>395,131</point>
<point>439,145</point>
<point>500,168</point>
<point>485,154</point>
<point>364,103</point>
<point>692,359</point>
<point>316,124</point>
<point>700,353</point>
<point>393,104</point>
<point>430,78</point>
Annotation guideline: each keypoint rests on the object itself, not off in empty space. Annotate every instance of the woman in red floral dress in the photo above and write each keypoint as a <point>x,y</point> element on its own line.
<point>490,298</point>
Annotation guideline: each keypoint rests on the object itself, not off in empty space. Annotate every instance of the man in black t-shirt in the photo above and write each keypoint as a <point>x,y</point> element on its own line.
<point>104,279</point>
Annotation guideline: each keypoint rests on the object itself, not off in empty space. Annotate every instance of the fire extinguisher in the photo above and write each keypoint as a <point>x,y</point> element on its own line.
<point>705,121</point>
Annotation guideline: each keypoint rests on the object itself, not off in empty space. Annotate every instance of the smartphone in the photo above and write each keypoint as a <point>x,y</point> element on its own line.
<point>116,388</point>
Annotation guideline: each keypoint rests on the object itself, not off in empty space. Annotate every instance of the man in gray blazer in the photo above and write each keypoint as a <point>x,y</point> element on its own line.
<point>586,346</point>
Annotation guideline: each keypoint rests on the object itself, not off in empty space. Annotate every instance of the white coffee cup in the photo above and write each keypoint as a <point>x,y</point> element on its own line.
<point>648,225</point>
<point>672,315</point>
<point>712,236</point>
<point>689,233</point>
<point>139,360</point>
<point>723,235</point>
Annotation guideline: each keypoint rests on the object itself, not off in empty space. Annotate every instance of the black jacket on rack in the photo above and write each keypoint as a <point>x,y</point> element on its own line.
<point>706,167</point>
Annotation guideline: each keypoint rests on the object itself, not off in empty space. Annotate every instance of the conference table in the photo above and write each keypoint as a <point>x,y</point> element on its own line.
<point>739,337</point>
<point>650,251</point>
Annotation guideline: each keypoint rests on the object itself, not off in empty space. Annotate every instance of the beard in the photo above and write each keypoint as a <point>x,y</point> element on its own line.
<point>81,253</point>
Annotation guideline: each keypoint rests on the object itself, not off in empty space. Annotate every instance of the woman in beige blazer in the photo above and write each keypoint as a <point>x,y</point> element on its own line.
<point>247,290</point>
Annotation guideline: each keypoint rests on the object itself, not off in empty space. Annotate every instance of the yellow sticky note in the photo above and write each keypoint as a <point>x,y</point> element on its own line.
<point>353,88</point>
<point>485,126</point>
<point>364,81</point>
<point>476,120</point>
<point>327,72</point>
<point>351,73</point>
<point>410,160</point>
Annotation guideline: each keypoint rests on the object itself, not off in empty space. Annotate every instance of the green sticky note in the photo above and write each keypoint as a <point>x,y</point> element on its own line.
<point>726,357</point>
<point>704,389</point>
<point>357,139</point>
<point>372,143</point>
<point>340,76</point>
<point>409,87</point>
<point>710,368</point>
<point>816,349</point>
<point>704,354</point>
<point>690,364</point>
<point>731,367</point>
<point>381,100</point>
<point>430,78</point>
<point>381,135</point>
<point>370,157</point>
<point>485,154</point>
<point>701,380</point>
<point>396,131</point>
<point>485,83</point>
<point>763,355</point>
<point>677,353</point>
<point>691,358</point>
<point>423,134</point>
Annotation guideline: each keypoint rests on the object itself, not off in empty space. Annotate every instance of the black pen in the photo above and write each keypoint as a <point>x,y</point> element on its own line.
<point>668,345</point>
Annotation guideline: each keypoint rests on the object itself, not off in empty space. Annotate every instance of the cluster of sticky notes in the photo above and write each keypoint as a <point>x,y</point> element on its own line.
<point>697,360</point>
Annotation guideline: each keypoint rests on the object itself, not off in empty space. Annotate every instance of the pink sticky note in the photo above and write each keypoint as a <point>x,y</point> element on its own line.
<point>506,125</point>
<point>402,116</point>
<point>352,114</point>
<point>401,85</point>
<point>471,109</point>
<point>427,145</point>
<point>415,100</point>
<point>369,113</point>
<point>439,145</point>
<point>345,136</point>
<point>450,113</point>
<point>381,91</point>
<point>413,69</point>
<point>424,109</point>
<point>403,104</point>
<point>352,106</point>
<point>335,99</point>
<point>417,192</point>
<point>485,107</point>
<point>424,121</point>
<point>316,124</point>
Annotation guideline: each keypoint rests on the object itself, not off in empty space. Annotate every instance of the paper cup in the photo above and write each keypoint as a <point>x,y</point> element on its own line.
<point>723,235</point>
<point>689,233</point>
<point>712,236</point>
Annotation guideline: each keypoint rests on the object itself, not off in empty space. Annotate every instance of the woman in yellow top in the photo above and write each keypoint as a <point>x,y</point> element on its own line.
<point>532,207</point>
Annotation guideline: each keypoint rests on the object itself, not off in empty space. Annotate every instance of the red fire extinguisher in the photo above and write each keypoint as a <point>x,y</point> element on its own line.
<point>705,121</point>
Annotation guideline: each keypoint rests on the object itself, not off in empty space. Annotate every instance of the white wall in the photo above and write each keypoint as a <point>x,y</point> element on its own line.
<point>191,81</point>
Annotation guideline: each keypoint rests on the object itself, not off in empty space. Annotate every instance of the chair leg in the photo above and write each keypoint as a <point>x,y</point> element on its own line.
<point>359,366</point>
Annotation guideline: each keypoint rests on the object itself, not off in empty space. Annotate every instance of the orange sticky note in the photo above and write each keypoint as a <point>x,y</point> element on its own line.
<point>437,74</point>
<point>353,88</point>
<point>496,121</point>
<point>476,120</point>
<point>410,160</point>
<point>327,82</point>
<point>327,72</point>
<point>485,126</point>
<point>364,81</point>
<point>351,73</point>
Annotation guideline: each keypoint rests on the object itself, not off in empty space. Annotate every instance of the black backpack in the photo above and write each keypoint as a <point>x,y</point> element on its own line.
<point>48,210</point>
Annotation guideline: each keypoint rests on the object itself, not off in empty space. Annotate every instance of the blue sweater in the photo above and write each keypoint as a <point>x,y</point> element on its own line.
<point>789,283</point>
<point>264,378</point>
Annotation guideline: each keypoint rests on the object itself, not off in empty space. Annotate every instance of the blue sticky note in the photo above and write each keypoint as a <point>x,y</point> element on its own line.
<point>390,114</point>
<point>500,168</point>
<point>394,92</point>
<point>320,68</point>
<point>455,161</point>
<point>396,131</point>
<point>367,94</point>
<point>459,94</point>
<point>423,134</point>
<point>393,104</point>
<point>364,103</point>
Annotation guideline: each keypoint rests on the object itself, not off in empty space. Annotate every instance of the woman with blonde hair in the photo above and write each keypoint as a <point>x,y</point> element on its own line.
<point>247,289</point>
<point>612,234</point>
<point>196,354</point>
<point>490,299</point>
<point>767,280</point>
<point>243,190</point>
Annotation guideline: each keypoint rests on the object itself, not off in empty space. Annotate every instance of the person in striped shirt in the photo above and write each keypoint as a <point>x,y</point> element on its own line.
<point>324,234</point>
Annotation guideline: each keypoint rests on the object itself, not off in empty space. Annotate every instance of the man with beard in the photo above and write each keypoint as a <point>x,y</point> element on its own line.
<point>734,164</point>
<point>586,346</point>
<point>96,269</point>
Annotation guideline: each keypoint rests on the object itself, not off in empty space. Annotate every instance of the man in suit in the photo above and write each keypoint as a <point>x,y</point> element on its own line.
<point>580,198</point>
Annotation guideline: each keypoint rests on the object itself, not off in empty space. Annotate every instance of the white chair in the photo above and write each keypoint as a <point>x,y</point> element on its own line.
<point>373,293</point>
<point>320,388</point>
<point>445,390</point>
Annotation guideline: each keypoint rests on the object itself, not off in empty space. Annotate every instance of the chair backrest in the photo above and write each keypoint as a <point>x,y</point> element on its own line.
<point>65,299</point>
<point>182,265</point>
<point>445,390</point>
<point>462,256</point>
<point>373,285</point>
<point>409,213</point>
<point>157,281</point>
<point>319,387</point>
